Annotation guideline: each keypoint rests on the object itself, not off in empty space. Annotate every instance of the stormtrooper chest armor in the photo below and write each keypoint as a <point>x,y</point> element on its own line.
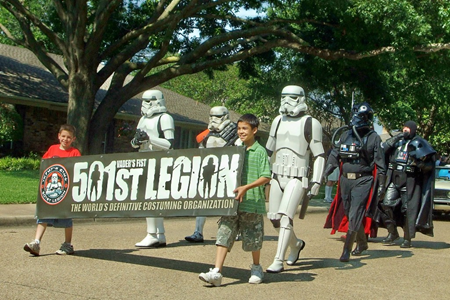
<point>215,142</point>
<point>151,126</point>
<point>292,153</point>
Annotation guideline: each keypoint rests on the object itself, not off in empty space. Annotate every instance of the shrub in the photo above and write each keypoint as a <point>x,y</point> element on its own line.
<point>32,162</point>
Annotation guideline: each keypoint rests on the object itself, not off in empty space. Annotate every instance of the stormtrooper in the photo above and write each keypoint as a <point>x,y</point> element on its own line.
<point>54,188</point>
<point>221,132</point>
<point>155,131</point>
<point>293,137</point>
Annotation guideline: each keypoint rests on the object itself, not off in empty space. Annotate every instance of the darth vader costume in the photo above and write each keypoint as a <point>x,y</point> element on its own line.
<point>409,195</point>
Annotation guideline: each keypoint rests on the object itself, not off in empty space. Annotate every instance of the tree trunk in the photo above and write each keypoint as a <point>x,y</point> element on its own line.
<point>99,125</point>
<point>80,108</point>
<point>101,120</point>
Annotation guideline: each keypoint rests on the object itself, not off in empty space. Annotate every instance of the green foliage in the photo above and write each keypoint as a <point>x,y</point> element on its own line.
<point>404,85</point>
<point>44,10</point>
<point>31,162</point>
<point>19,186</point>
<point>154,41</point>
<point>10,125</point>
<point>228,89</point>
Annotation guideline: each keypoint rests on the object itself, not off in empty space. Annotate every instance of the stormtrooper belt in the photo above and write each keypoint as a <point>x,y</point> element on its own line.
<point>355,175</point>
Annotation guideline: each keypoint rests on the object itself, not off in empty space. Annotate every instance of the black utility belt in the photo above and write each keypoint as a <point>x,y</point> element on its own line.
<point>402,168</point>
<point>356,175</point>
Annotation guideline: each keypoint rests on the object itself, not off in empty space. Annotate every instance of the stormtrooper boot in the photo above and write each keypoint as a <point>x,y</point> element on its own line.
<point>155,234</point>
<point>150,240</point>
<point>284,239</point>
<point>296,246</point>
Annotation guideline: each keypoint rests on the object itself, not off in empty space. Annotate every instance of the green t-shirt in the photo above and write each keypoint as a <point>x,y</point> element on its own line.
<point>256,165</point>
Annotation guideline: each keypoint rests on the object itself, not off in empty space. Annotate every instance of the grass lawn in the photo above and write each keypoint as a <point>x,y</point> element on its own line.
<point>19,186</point>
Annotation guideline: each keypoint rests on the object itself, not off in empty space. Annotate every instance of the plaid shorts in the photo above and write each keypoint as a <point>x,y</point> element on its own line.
<point>249,225</point>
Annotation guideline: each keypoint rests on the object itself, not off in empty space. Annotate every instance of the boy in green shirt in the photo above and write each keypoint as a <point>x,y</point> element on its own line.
<point>249,220</point>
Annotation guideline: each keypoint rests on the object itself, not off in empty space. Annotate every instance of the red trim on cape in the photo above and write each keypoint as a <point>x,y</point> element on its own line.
<point>336,218</point>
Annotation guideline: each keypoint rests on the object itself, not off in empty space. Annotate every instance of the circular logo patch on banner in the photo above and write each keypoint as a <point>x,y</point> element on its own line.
<point>54,184</point>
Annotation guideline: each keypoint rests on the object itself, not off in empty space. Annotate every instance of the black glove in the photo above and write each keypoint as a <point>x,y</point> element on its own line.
<point>393,140</point>
<point>139,137</point>
<point>420,164</point>
<point>381,187</point>
<point>424,166</point>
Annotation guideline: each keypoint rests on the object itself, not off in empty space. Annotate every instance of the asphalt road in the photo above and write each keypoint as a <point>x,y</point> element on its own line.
<point>106,265</point>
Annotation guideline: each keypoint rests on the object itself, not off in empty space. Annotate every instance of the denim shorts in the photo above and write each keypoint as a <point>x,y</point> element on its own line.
<point>249,225</point>
<point>57,223</point>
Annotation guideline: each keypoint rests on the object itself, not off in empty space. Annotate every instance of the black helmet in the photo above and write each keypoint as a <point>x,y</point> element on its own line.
<point>362,115</point>
<point>419,148</point>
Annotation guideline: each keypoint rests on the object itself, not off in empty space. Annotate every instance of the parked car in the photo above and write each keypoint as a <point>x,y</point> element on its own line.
<point>441,202</point>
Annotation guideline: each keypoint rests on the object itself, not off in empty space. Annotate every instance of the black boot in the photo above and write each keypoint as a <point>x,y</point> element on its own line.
<point>392,236</point>
<point>361,242</point>
<point>350,238</point>
<point>406,236</point>
<point>388,219</point>
<point>406,244</point>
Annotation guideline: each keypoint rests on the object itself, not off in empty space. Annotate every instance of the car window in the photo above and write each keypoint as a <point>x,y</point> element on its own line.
<point>443,173</point>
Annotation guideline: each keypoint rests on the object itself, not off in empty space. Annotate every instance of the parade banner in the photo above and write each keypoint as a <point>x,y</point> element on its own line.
<point>188,182</point>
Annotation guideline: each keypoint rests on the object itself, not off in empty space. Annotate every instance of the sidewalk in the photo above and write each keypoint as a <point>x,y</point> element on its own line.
<point>24,214</point>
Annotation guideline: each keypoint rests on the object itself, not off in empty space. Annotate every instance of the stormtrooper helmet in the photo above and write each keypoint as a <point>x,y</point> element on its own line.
<point>292,100</point>
<point>219,118</point>
<point>362,115</point>
<point>153,102</point>
<point>54,178</point>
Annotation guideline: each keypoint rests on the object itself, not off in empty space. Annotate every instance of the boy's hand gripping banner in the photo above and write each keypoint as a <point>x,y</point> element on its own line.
<point>188,182</point>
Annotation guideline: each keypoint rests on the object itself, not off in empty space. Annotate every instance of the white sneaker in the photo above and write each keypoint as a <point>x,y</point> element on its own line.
<point>212,277</point>
<point>32,247</point>
<point>66,249</point>
<point>257,274</point>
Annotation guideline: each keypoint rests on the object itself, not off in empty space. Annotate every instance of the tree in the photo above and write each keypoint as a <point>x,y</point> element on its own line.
<point>228,88</point>
<point>153,41</point>
<point>402,81</point>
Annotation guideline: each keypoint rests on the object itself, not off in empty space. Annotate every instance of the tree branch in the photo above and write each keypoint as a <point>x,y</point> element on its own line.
<point>24,16</point>
<point>102,16</point>
<point>10,36</point>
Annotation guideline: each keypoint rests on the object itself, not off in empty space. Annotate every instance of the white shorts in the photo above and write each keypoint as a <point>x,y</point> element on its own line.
<point>334,176</point>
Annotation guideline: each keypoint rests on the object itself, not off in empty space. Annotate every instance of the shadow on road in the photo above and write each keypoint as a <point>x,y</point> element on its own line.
<point>130,256</point>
